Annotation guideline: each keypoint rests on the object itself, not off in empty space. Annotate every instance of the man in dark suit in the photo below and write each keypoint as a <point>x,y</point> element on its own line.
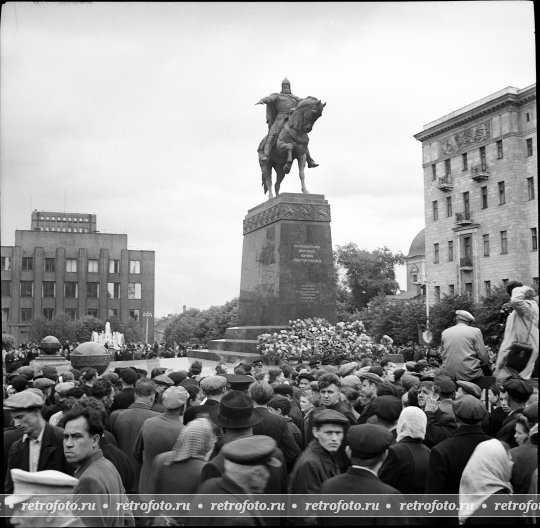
<point>41,446</point>
<point>213,388</point>
<point>124,398</point>
<point>448,459</point>
<point>271,424</point>
<point>518,392</point>
<point>367,447</point>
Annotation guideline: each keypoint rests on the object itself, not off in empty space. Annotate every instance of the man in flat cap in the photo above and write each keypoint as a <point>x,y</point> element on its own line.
<point>367,447</point>
<point>387,409</point>
<point>124,398</point>
<point>368,390</point>
<point>40,447</point>
<point>464,355</point>
<point>33,492</point>
<point>159,434</point>
<point>518,391</point>
<point>448,458</point>
<point>248,462</point>
<point>323,458</point>
<point>213,389</point>
<point>162,383</point>
<point>467,387</point>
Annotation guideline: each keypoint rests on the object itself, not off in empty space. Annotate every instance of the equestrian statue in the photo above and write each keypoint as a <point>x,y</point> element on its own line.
<point>289,119</point>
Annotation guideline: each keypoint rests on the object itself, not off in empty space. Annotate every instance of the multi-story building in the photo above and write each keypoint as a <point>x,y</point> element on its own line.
<point>480,195</point>
<point>51,271</point>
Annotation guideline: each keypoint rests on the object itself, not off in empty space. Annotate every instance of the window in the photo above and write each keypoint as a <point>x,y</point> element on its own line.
<point>93,266</point>
<point>505,282</point>
<point>415,278</point>
<point>5,263</point>
<point>528,117</point>
<point>450,251</point>
<point>27,289</point>
<point>49,289</point>
<point>504,243</point>
<point>435,253</point>
<point>71,313</point>
<point>113,290</point>
<point>487,287</point>
<point>499,149</point>
<point>435,210</point>
<point>48,313</point>
<point>134,266</point>
<point>113,312</point>
<point>437,294</point>
<point>484,197</point>
<point>434,172</point>
<point>71,265</point>
<point>50,264</point>
<point>502,196</point>
<point>464,162</point>
<point>535,283</point>
<point>529,147</point>
<point>27,263</point>
<point>534,239</point>
<point>448,206</point>
<point>451,290</point>
<point>70,290</point>
<point>468,290</point>
<point>6,288</point>
<point>26,315</point>
<point>134,314</point>
<point>467,248</point>
<point>92,289</point>
<point>114,266</point>
<point>5,315</point>
<point>485,238</point>
<point>447,167</point>
<point>483,163</point>
<point>530,188</point>
<point>466,204</point>
<point>92,312</point>
<point>134,290</point>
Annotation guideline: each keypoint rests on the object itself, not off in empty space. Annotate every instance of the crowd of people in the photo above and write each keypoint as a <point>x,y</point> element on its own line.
<point>448,427</point>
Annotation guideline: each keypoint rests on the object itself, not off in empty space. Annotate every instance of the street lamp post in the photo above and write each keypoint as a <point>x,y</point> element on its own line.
<point>147,315</point>
<point>427,336</point>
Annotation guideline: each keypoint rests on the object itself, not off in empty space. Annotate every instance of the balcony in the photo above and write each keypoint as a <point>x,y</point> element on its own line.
<point>445,183</point>
<point>463,218</point>
<point>466,263</point>
<point>479,172</point>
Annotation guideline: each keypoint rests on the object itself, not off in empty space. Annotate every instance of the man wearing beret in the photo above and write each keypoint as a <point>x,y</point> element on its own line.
<point>518,391</point>
<point>41,445</point>
<point>367,447</point>
<point>448,458</point>
<point>323,458</point>
<point>464,355</point>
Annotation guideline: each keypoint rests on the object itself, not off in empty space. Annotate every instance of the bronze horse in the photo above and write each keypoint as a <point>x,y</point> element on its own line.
<point>291,144</point>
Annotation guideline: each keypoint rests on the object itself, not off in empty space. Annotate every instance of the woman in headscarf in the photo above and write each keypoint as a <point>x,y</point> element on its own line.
<point>406,465</point>
<point>487,473</point>
<point>178,471</point>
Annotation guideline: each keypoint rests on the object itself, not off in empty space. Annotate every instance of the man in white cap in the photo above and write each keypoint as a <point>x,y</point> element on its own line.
<point>35,494</point>
<point>463,352</point>
<point>40,447</point>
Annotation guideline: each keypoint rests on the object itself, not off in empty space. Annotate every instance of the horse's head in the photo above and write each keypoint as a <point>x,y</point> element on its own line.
<point>306,113</point>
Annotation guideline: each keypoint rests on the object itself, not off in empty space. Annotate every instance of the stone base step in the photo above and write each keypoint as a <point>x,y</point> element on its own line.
<point>250,332</point>
<point>225,355</point>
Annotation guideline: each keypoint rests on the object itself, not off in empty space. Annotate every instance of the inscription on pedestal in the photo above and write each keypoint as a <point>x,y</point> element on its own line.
<point>307,294</point>
<point>306,253</point>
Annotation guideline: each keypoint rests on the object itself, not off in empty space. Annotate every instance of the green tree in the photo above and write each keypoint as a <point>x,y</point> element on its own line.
<point>8,341</point>
<point>443,314</point>
<point>85,326</point>
<point>488,316</point>
<point>60,326</point>
<point>368,273</point>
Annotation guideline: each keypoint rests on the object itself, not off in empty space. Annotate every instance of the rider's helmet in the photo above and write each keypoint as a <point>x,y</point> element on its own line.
<point>285,86</point>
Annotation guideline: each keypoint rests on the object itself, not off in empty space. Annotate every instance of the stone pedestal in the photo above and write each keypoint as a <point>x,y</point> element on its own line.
<point>52,360</point>
<point>287,269</point>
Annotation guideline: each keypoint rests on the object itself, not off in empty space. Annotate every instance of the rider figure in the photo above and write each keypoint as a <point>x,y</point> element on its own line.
<point>278,108</point>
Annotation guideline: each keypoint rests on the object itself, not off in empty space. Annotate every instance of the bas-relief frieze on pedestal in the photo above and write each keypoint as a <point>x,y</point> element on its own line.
<point>457,142</point>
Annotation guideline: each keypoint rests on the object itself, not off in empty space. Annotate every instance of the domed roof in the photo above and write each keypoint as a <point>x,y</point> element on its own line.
<point>418,246</point>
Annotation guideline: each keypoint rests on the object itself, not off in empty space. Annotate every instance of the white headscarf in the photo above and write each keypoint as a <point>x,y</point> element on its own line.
<point>489,470</point>
<point>411,422</point>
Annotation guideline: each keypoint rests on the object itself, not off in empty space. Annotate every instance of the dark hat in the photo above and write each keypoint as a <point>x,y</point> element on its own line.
<point>50,371</point>
<point>423,363</point>
<point>369,440</point>
<point>408,381</point>
<point>387,407</point>
<point>347,369</point>
<point>445,383</point>
<point>43,383</point>
<point>28,372</point>
<point>469,409</point>
<point>376,369</point>
<point>140,371</point>
<point>314,361</point>
<point>518,389</point>
<point>314,385</point>
<point>283,388</point>
<point>129,376</point>
<point>162,379</point>
<point>258,363</point>
<point>235,411</point>
<point>178,377</point>
<point>24,400</point>
<point>240,382</point>
<point>531,412</point>
<point>190,382</point>
<point>19,383</point>
<point>113,377</point>
<point>251,451</point>
<point>329,416</point>
<point>398,373</point>
<point>306,375</point>
<point>470,388</point>
<point>410,366</point>
<point>370,376</point>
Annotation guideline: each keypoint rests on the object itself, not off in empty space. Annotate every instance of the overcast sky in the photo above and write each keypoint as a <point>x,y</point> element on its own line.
<point>144,114</point>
